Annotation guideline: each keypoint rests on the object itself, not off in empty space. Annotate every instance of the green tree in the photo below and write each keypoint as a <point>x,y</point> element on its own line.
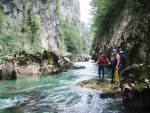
<point>72,40</point>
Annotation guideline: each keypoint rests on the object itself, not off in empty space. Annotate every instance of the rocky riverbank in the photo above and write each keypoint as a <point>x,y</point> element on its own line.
<point>25,64</point>
<point>136,87</point>
<point>107,89</point>
<point>48,62</point>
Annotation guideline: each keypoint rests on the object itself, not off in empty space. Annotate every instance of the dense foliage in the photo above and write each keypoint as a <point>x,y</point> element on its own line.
<point>106,13</point>
<point>15,35</point>
<point>73,42</point>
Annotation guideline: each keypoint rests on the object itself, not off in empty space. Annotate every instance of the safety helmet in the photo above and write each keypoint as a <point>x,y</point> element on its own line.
<point>121,52</point>
<point>114,50</point>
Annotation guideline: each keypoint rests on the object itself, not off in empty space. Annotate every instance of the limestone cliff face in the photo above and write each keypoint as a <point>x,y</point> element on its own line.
<point>44,15</point>
<point>19,12</point>
<point>132,35</point>
<point>70,11</point>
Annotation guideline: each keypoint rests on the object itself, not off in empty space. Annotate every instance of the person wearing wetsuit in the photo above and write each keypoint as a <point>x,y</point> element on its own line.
<point>123,62</point>
<point>115,63</point>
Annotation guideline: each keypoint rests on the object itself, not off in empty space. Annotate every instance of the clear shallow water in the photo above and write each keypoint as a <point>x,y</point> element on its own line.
<point>56,94</point>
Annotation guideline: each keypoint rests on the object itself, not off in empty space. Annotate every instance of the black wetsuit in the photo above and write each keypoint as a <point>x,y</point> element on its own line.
<point>122,63</point>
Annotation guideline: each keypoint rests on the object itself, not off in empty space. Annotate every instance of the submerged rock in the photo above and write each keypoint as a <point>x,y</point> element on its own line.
<point>83,58</point>
<point>78,67</point>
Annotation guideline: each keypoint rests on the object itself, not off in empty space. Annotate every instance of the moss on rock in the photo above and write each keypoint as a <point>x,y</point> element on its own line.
<point>99,84</point>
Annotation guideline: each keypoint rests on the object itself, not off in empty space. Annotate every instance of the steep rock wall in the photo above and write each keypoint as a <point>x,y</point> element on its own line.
<point>20,11</point>
<point>70,11</point>
<point>38,21</point>
<point>132,35</point>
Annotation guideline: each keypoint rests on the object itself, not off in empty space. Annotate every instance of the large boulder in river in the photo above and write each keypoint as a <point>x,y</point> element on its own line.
<point>107,90</point>
<point>136,86</point>
<point>8,71</point>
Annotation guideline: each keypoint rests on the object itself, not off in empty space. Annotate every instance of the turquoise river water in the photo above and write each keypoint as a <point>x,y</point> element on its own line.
<point>56,94</point>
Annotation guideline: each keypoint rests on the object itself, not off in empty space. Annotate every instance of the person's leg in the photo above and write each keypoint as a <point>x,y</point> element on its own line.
<point>99,71</point>
<point>112,74</point>
<point>120,69</point>
<point>103,71</point>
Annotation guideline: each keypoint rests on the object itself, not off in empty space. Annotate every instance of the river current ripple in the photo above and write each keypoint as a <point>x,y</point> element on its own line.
<point>56,94</point>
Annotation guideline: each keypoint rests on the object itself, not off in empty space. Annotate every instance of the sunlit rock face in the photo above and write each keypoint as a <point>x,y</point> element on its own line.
<point>70,8</point>
<point>19,13</point>
<point>37,23</point>
<point>70,12</point>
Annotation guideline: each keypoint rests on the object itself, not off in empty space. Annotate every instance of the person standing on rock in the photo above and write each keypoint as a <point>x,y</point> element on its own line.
<point>123,62</point>
<point>102,59</point>
<point>115,63</point>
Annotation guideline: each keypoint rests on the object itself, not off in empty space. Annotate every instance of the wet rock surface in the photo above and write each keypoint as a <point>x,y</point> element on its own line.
<point>78,67</point>
<point>107,89</point>
<point>136,87</point>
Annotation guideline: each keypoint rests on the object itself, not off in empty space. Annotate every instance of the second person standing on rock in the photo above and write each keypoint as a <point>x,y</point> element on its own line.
<point>115,63</point>
<point>102,59</point>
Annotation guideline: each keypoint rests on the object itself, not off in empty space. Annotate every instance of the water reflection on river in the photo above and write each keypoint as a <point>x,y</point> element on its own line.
<point>56,94</point>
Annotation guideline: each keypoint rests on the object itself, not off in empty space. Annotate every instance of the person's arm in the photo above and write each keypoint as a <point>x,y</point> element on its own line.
<point>118,60</point>
<point>104,56</point>
<point>97,62</point>
<point>108,61</point>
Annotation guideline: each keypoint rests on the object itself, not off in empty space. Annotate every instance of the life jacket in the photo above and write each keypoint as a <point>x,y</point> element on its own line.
<point>101,59</point>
